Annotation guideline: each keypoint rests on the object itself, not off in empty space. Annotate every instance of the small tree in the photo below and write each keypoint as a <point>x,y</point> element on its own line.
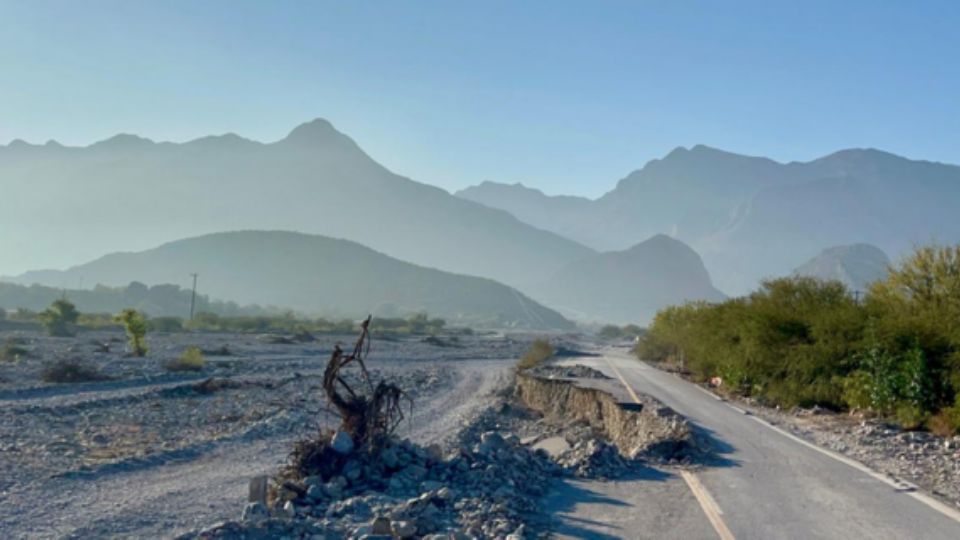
<point>136,326</point>
<point>60,317</point>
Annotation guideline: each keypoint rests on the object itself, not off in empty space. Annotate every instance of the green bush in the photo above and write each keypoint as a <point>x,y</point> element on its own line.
<point>191,360</point>
<point>798,341</point>
<point>538,353</point>
<point>135,325</point>
<point>60,318</point>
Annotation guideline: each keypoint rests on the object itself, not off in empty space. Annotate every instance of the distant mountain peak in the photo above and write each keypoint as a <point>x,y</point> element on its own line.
<point>316,131</point>
<point>854,265</point>
<point>123,141</point>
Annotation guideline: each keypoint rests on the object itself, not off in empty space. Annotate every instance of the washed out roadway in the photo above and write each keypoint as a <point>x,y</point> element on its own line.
<point>763,484</point>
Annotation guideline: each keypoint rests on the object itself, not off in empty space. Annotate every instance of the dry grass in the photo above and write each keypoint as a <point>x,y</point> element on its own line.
<point>13,350</point>
<point>946,423</point>
<point>71,371</point>
<point>538,353</point>
<point>191,360</point>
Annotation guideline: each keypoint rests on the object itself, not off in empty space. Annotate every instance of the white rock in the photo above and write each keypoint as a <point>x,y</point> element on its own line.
<point>404,529</point>
<point>289,509</point>
<point>254,512</point>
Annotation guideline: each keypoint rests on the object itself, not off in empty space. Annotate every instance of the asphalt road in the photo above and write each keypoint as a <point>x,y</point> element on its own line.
<point>765,484</point>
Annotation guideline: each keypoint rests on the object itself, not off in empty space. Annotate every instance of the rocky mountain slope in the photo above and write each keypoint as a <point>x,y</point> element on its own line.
<point>316,275</point>
<point>856,266</point>
<point>630,286</point>
<point>752,217</point>
<point>130,193</point>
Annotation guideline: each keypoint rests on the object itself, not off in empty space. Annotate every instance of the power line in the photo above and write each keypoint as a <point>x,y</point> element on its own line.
<point>193,295</point>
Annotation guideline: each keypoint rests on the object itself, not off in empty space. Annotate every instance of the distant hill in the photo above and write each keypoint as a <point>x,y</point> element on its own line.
<point>64,204</point>
<point>751,217</point>
<point>162,300</point>
<point>314,275</point>
<point>630,286</point>
<point>856,266</point>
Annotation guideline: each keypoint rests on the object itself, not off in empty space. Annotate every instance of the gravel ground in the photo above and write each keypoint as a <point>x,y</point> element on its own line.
<point>153,454</point>
<point>929,461</point>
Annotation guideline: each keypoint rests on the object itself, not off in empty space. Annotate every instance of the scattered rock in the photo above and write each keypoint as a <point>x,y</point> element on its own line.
<point>341,443</point>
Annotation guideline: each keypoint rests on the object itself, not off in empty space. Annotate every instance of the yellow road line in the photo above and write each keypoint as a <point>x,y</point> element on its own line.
<point>707,503</point>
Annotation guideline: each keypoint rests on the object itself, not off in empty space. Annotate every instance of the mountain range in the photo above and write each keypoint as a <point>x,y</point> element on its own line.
<point>130,193</point>
<point>685,227</point>
<point>315,275</point>
<point>752,217</point>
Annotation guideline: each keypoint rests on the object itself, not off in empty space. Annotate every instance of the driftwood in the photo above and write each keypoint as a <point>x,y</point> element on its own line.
<point>368,416</point>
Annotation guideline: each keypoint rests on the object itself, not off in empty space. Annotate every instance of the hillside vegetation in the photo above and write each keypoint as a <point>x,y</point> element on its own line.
<point>802,341</point>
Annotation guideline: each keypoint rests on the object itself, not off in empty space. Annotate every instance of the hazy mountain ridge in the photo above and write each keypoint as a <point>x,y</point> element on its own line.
<point>314,275</point>
<point>856,266</point>
<point>130,193</point>
<point>751,217</point>
<point>630,286</point>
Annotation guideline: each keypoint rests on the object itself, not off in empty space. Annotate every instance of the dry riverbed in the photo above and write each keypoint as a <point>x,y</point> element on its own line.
<point>150,453</point>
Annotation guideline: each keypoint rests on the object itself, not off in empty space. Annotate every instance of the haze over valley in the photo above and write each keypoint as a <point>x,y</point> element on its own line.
<point>746,218</point>
<point>319,270</point>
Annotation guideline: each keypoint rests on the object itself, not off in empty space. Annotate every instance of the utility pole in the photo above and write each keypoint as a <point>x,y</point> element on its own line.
<point>856,296</point>
<point>193,295</point>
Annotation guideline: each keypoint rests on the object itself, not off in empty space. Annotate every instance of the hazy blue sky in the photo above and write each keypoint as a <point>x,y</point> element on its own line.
<point>567,97</point>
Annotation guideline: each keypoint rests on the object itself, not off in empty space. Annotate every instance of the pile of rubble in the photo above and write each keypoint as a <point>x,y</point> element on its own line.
<point>488,484</point>
<point>486,490</point>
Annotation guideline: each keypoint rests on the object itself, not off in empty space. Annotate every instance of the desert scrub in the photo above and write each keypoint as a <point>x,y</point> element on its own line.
<point>190,360</point>
<point>13,349</point>
<point>538,353</point>
<point>71,371</point>
<point>136,326</point>
<point>60,318</point>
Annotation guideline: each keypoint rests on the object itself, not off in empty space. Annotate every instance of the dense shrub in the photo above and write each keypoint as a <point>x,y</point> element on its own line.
<point>799,341</point>
<point>135,325</point>
<point>538,353</point>
<point>60,318</point>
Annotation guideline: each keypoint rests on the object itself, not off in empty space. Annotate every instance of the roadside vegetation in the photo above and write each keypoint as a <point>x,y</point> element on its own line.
<point>803,342</point>
<point>539,352</point>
